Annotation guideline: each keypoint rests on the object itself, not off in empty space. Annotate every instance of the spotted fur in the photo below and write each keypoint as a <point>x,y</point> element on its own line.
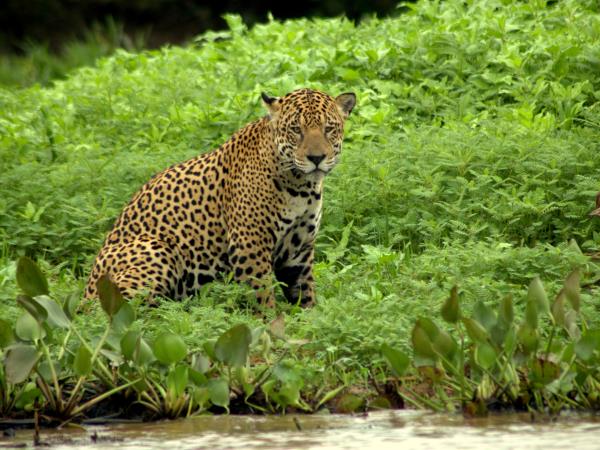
<point>251,207</point>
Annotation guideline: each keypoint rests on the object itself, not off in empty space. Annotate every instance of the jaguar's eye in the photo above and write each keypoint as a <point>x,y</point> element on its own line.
<point>296,129</point>
<point>329,129</point>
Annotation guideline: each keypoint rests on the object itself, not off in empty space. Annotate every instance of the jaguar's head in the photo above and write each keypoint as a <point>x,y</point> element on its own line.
<point>308,128</point>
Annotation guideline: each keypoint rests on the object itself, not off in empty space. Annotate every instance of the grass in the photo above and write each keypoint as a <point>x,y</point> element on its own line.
<point>471,159</point>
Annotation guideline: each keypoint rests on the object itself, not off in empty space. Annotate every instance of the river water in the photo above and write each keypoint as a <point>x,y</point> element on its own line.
<point>378,430</point>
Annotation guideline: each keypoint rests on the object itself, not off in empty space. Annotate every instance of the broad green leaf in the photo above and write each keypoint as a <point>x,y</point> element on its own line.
<point>398,360</point>
<point>445,345</point>
<point>484,315</point>
<point>450,308</point>
<point>201,396</point>
<point>429,327</point>
<point>422,345</point>
<point>124,317</point>
<point>537,294</point>
<point>558,309</point>
<point>528,338</point>
<point>31,305</point>
<point>82,364</point>
<point>177,380</point>
<point>531,313</point>
<point>485,355</point>
<point>143,353</point>
<point>198,378</point>
<point>71,304</point>
<point>128,344</point>
<point>544,372</point>
<point>6,333</point>
<point>287,372</point>
<point>571,324</point>
<point>30,278</point>
<point>588,344</point>
<point>169,348</point>
<point>29,329</point>
<point>44,369</point>
<point>56,315</point>
<point>510,341</point>
<point>506,312</point>
<point>572,289</point>
<point>19,361</point>
<point>474,329</point>
<point>209,348</point>
<point>499,331</point>
<point>218,390</point>
<point>233,346</point>
<point>110,296</point>
<point>200,363</point>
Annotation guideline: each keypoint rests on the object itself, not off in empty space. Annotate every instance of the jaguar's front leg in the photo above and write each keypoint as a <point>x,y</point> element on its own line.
<point>253,267</point>
<point>298,278</point>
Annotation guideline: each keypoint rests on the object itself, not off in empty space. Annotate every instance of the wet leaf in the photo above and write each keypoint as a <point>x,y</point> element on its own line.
<point>485,355</point>
<point>36,310</point>
<point>19,361</point>
<point>450,308</point>
<point>30,278</point>
<point>233,346</point>
<point>349,403</point>
<point>6,333</point>
<point>110,296</point>
<point>169,348</point>
<point>28,329</point>
<point>572,289</point>
<point>82,364</point>
<point>218,391</point>
<point>398,360</point>
<point>56,315</point>
<point>474,329</point>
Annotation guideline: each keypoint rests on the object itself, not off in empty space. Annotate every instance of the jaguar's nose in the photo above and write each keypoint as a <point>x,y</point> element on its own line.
<point>316,159</point>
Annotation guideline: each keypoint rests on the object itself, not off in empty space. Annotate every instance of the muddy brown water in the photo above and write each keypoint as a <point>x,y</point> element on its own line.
<point>378,430</point>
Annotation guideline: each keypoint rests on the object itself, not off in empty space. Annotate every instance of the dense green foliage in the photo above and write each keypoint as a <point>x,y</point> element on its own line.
<point>471,159</point>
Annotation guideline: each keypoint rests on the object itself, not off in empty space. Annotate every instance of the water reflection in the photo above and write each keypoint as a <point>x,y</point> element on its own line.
<point>381,430</point>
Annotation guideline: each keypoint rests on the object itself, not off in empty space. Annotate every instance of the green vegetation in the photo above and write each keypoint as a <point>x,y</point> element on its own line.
<point>39,64</point>
<point>471,160</point>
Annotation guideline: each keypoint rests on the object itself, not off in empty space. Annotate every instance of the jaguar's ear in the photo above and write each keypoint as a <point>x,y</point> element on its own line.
<point>345,103</point>
<point>271,103</point>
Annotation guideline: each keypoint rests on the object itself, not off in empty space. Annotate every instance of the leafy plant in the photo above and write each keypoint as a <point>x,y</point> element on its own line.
<point>507,363</point>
